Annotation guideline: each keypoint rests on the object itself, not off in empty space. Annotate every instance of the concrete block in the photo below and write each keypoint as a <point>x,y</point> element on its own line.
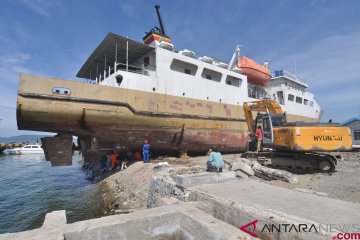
<point>239,165</point>
<point>55,218</point>
<point>246,161</point>
<point>58,149</point>
<point>192,180</point>
<point>240,174</point>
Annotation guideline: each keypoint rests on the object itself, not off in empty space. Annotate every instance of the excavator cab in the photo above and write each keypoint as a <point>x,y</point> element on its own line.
<point>268,122</point>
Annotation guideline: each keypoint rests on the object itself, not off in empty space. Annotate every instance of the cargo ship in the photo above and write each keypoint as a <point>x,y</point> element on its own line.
<point>136,91</point>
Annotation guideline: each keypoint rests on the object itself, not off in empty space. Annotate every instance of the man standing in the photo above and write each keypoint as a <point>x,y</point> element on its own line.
<point>259,134</point>
<point>146,151</point>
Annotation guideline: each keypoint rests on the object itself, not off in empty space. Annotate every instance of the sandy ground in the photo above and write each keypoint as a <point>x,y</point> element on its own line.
<point>343,184</point>
<point>129,189</point>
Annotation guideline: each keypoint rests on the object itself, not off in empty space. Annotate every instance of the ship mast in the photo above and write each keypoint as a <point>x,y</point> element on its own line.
<point>162,29</point>
<point>235,57</point>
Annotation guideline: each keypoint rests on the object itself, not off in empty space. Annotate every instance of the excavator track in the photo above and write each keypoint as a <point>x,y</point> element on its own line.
<point>295,161</point>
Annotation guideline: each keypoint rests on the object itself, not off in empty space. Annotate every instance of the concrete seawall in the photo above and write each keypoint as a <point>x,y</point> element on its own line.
<point>188,203</point>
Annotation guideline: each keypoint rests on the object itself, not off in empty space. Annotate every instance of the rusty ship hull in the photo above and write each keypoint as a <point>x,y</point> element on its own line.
<point>124,116</point>
<point>107,118</point>
<point>108,115</point>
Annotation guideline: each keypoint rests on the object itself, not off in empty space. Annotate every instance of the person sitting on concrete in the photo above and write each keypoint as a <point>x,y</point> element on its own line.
<point>146,152</point>
<point>215,161</point>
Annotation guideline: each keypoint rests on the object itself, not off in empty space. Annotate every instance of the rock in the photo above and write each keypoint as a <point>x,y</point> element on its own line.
<point>274,173</point>
<point>240,174</point>
<point>246,161</point>
<point>239,165</point>
<point>162,164</point>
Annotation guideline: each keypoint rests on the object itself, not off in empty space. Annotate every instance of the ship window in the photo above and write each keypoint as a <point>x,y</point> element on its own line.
<point>298,99</point>
<point>211,75</point>
<point>311,103</point>
<point>306,102</point>
<point>291,97</point>
<point>233,81</point>
<point>183,67</point>
<point>27,147</point>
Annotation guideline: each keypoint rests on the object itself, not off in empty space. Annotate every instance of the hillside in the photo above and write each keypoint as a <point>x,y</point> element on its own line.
<point>22,138</point>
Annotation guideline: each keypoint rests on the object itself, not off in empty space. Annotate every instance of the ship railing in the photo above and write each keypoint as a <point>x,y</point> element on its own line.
<point>284,73</point>
<point>143,69</point>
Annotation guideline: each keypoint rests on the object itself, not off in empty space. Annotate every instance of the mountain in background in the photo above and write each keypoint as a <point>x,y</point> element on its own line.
<point>23,138</point>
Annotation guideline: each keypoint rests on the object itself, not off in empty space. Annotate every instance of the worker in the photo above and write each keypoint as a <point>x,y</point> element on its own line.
<point>215,161</point>
<point>114,160</point>
<point>259,134</point>
<point>137,156</point>
<point>127,156</point>
<point>103,163</point>
<point>146,151</point>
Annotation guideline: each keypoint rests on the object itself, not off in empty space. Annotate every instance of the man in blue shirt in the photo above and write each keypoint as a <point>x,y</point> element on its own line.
<point>146,152</point>
<point>215,161</point>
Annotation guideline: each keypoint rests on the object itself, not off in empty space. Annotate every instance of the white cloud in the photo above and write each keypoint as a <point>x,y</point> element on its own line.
<point>11,65</point>
<point>331,68</point>
<point>329,62</point>
<point>15,58</point>
<point>128,9</point>
<point>42,7</point>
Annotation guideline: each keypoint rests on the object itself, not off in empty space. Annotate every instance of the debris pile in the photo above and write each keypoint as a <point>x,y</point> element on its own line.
<point>244,168</point>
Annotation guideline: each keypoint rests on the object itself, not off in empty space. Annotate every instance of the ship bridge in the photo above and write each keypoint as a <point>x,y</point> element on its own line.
<point>113,53</point>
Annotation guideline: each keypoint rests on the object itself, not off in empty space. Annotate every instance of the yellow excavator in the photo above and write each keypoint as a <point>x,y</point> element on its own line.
<point>296,145</point>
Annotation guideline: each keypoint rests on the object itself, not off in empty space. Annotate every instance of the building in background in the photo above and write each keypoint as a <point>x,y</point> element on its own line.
<point>354,125</point>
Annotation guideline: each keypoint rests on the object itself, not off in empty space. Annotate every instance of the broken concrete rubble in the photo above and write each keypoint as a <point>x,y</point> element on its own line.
<point>245,168</point>
<point>274,173</point>
<point>240,174</point>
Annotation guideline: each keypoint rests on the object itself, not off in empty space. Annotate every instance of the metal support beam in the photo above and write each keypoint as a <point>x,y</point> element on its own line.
<point>127,55</point>
<point>115,65</point>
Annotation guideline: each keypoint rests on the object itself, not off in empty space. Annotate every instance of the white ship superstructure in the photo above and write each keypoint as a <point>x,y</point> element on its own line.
<point>161,71</point>
<point>291,92</point>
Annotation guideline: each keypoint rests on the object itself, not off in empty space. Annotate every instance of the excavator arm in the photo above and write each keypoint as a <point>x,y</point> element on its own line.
<point>265,105</point>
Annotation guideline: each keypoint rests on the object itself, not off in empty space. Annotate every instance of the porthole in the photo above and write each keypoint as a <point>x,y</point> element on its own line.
<point>119,79</point>
<point>183,94</point>
<point>61,90</point>
<point>154,89</point>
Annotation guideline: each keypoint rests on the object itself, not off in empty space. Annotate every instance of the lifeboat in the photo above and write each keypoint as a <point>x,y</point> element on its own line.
<point>256,73</point>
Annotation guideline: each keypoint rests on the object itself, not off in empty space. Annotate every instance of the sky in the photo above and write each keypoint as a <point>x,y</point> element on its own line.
<point>319,40</point>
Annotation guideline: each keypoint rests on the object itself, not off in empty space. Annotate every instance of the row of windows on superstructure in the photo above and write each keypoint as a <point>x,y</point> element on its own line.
<point>300,100</point>
<point>191,69</point>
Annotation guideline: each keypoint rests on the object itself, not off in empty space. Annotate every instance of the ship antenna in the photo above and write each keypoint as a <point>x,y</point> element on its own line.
<point>160,21</point>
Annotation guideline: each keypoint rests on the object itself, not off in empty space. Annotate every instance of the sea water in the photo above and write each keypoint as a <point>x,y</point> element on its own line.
<point>30,188</point>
